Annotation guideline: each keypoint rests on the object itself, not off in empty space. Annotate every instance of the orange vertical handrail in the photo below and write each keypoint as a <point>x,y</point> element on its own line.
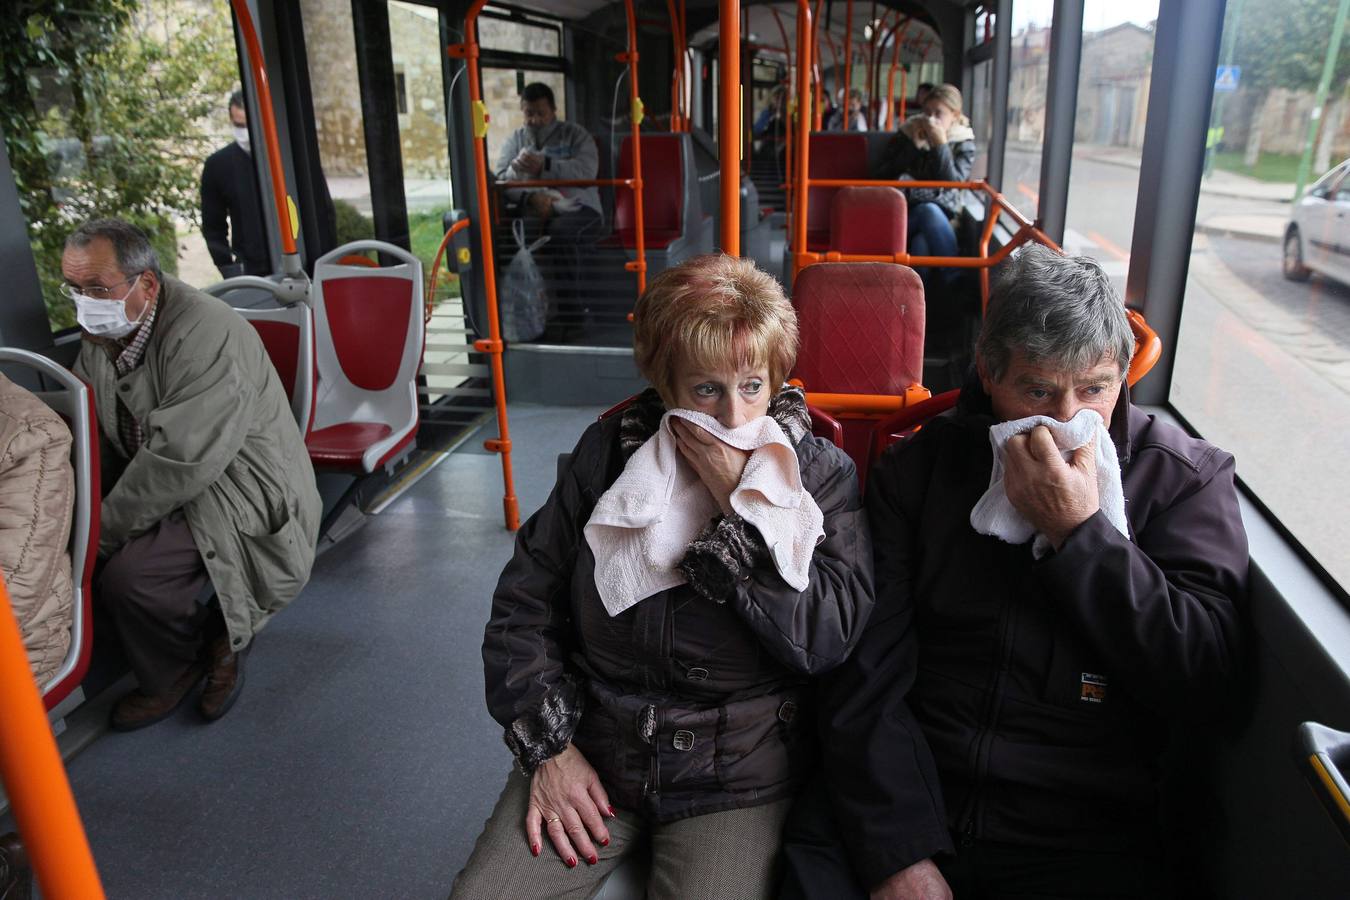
<point>630,56</point>
<point>873,121</point>
<point>805,38</point>
<point>848,61</point>
<point>30,766</point>
<point>834,58</point>
<point>818,112</point>
<point>290,258</point>
<point>679,120</point>
<point>789,103</point>
<point>890,83</point>
<point>729,123</point>
<point>491,346</point>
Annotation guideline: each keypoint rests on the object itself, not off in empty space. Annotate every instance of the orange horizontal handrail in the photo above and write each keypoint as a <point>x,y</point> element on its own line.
<point>866,405</point>
<point>570,182</point>
<point>30,766</point>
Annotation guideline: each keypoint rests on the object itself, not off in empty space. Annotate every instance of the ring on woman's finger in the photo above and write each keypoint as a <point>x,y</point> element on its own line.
<point>553,819</point>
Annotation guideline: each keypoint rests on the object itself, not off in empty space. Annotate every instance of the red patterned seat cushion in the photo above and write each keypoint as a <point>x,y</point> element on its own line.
<point>862,328</point>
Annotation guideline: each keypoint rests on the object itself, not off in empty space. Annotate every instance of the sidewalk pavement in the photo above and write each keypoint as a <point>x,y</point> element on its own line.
<point>1252,225</point>
<point>1218,182</point>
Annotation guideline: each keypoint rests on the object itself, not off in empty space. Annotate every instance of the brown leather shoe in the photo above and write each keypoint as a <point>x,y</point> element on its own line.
<point>16,874</point>
<point>139,709</point>
<point>224,681</point>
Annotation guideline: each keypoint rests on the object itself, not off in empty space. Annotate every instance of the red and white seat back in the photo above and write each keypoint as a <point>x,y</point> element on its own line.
<point>288,335</point>
<point>72,399</point>
<point>368,330</point>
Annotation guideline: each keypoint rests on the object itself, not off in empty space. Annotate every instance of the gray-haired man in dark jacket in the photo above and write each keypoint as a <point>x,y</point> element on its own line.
<point>1046,686</point>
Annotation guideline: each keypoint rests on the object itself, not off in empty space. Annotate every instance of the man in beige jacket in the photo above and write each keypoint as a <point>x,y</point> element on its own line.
<point>37,488</point>
<point>210,526</point>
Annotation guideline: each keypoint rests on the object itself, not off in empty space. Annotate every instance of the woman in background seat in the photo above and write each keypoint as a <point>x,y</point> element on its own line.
<point>938,145</point>
<point>678,723</point>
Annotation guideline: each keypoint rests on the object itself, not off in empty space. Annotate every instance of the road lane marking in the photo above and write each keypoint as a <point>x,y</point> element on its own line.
<point>1030,194</point>
<point>1108,246</point>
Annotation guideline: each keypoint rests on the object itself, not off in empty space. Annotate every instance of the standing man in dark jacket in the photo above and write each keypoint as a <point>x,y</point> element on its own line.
<point>1048,673</point>
<point>232,219</point>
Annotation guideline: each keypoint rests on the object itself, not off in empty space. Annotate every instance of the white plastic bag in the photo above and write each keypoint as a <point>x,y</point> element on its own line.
<point>523,296</point>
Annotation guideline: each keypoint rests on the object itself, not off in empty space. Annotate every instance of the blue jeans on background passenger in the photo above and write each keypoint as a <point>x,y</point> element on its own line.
<point>930,233</point>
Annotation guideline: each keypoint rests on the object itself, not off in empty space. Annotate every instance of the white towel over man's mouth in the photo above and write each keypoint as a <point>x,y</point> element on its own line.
<point>642,526</point>
<point>995,515</point>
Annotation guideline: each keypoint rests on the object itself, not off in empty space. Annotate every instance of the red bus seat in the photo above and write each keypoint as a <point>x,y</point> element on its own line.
<point>832,155</point>
<point>674,226</point>
<point>368,331</point>
<point>288,336</point>
<point>868,220</point>
<point>74,402</point>
<point>862,332</point>
<point>287,333</point>
<point>905,422</point>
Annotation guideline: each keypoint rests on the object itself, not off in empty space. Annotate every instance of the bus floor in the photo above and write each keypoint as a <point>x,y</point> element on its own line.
<point>360,759</point>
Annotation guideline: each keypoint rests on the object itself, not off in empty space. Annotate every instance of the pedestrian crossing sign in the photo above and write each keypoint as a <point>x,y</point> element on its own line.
<point>1226,78</point>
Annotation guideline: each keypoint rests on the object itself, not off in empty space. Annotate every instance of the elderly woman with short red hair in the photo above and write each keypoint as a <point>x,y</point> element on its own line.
<point>680,721</point>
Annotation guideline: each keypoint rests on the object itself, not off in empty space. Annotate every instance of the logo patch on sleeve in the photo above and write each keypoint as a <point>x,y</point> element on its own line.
<point>1092,688</point>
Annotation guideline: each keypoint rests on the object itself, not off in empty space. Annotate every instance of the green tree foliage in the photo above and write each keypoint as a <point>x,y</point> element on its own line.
<point>1283,43</point>
<point>105,107</point>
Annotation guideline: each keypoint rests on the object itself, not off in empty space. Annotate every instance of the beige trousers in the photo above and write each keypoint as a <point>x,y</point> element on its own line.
<point>731,855</point>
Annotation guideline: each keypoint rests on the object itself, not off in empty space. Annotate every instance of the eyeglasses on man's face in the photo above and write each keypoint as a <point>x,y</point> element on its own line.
<point>97,291</point>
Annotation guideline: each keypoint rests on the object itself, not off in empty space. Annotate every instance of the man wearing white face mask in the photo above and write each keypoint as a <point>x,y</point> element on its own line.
<point>232,219</point>
<point>209,526</point>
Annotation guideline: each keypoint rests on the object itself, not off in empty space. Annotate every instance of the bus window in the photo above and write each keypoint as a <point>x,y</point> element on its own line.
<point>330,37</point>
<point>414,37</point>
<point>1113,82</point>
<point>1261,364</point>
<point>1027,86</point>
<point>501,93</point>
<point>115,116</point>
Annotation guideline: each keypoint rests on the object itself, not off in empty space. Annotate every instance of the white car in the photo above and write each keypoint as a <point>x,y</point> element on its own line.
<point>1318,236</point>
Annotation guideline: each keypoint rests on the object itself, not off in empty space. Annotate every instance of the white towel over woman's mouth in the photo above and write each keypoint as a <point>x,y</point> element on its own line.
<point>641,527</point>
<point>995,515</point>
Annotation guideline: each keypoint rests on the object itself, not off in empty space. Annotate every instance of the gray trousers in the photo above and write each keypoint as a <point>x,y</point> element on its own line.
<point>719,856</point>
<point>151,586</point>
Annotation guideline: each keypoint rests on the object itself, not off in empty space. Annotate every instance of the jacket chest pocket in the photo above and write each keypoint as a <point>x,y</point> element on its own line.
<point>1080,696</point>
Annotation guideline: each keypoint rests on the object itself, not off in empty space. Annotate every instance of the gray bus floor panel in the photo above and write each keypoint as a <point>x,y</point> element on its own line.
<point>360,758</point>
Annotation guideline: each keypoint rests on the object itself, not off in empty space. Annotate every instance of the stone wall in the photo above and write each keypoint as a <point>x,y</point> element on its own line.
<point>415,40</point>
<point>331,47</point>
<point>1282,117</point>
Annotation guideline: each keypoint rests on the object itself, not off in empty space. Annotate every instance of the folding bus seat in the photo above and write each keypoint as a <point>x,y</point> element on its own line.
<point>368,329</point>
<point>74,402</point>
<point>869,220</point>
<point>674,225</point>
<point>862,330</point>
<point>287,333</point>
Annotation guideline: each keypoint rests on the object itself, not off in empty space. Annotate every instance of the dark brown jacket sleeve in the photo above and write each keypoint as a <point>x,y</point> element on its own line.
<point>529,691</point>
<point>878,766</point>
